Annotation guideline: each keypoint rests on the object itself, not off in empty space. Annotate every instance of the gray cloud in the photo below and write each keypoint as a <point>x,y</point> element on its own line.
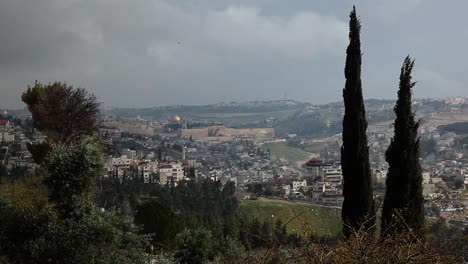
<point>160,52</point>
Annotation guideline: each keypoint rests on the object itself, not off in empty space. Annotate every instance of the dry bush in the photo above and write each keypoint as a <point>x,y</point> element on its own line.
<point>362,247</point>
<point>25,193</point>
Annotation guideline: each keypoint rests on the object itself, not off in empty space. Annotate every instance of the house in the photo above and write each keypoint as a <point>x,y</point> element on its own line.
<point>6,137</point>
<point>297,185</point>
<point>148,169</point>
<point>287,189</point>
<point>4,124</point>
<point>170,173</point>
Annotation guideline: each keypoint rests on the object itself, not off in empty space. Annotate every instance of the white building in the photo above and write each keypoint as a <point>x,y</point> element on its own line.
<point>170,173</point>
<point>333,175</point>
<point>297,185</point>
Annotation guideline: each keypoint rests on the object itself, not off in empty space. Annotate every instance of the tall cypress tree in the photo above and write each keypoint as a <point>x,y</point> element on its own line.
<point>404,203</point>
<point>358,205</point>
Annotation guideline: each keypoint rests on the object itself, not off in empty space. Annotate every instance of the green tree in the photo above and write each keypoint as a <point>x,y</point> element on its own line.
<point>403,205</point>
<point>158,221</point>
<point>61,112</point>
<point>71,171</point>
<point>40,236</point>
<point>229,200</point>
<point>194,246</point>
<point>358,205</point>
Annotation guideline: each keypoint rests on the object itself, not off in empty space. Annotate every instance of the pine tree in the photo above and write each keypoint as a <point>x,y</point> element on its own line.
<point>358,205</point>
<point>403,204</point>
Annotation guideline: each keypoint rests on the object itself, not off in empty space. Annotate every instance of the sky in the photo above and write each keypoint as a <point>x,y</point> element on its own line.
<point>145,53</point>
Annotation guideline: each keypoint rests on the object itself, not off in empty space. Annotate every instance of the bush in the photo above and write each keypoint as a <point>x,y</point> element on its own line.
<point>194,246</point>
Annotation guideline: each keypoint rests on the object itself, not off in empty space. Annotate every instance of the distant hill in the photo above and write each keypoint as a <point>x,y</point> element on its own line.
<point>459,128</point>
<point>288,116</point>
<point>254,107</point>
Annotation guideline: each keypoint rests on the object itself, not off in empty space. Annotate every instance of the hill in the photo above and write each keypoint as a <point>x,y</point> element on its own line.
<point>293,117</point>
<point>281,150</point>
<point>459,128</point>
<point>302,218</point>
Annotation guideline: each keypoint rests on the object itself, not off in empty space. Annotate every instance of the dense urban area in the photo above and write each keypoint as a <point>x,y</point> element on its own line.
<point>278,181</point>
<point>264,162</point>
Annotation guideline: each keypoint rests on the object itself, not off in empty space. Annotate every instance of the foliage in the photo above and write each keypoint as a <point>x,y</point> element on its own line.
<point>228,248</point>
<point>71,173</point>
<point>39,236</point>
<point>194,246</point>
<point>360,247</point>
<point>404,248</point>
<point>158,221</point>
<point>428,147</point>
<point>403,205</point>
<point>63,113</point>
<point>358,205</point>
<point>39,151</point>
<point>303,219</point>
<point>457,128</point>
<point>25,193</point>
<point>74,230</point>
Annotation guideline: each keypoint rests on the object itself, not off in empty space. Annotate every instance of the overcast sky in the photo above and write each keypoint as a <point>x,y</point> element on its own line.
<point>143,53</point>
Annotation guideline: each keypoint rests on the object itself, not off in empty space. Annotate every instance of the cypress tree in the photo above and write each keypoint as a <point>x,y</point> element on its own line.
<point>358,205</point>
<point>404,204</point>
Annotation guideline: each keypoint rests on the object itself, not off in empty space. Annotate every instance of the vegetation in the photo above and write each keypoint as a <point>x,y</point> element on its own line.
<point>302,219</point>
<point>457,128</point>
<point>67,227</point>
<point>281,150</point>
<point>62,113</point>
<point>403,206</point>
<point>358,205</point>
<point>69,213</point>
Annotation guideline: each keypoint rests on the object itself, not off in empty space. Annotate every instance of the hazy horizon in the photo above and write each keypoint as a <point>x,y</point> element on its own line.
<point>160,52</point>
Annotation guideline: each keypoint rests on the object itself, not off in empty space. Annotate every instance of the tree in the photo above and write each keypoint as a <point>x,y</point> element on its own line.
<point>403,205</point>
<point>71,171</point>
<point>60,111</point>
<point>191,172</point>
<point>36,235</point>
<point>229,200</point>
<point>194,246</point>
<point>358,205</point>
<point>157,220</point>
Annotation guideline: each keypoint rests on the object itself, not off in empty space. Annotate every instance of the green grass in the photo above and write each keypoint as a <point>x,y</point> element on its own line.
<point>281,150</point>
<point>307,219</point>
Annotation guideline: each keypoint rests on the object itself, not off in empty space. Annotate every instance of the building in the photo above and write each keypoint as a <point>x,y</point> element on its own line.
<point>170,173</point>
<point>298,185</point>
<point>4,124</point>
<point>6,137</point>
<point>119,166</point>
<point>333,175</point>
<point>222,133</point>
<point>148,171</point>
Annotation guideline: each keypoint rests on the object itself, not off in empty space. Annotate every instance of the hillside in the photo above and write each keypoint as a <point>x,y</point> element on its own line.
<point>303,218</point>
<point>293,117</point>
<point>281,150</point>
